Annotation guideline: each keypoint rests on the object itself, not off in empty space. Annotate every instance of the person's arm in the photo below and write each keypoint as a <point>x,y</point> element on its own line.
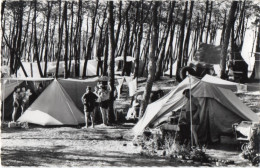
<point>82,98</point>
<point>16,99</point>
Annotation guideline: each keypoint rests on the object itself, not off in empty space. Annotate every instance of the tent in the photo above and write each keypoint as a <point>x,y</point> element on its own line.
<point>76,88</point>
<point>256,70</point>
<point>220,109</point>
<point>32,70</point>
<point>53,107</point>
<point>236,87</point>
<point>7,88</point>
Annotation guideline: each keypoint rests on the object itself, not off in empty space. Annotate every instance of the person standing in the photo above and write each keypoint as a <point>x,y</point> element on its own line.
<point>104,100</point>
<point>16,97</point>
<point>192,104</point>
<point>96,109</point>
<point>89,99</point>
<point>25,100</point>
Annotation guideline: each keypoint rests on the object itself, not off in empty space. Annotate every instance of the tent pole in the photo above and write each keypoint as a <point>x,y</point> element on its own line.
<point>190,113</point>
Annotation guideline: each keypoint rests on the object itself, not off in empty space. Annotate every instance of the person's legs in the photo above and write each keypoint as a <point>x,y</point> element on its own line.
<point>103,113</point>
<point>92,118</point>
<point>14,113</point>
<point>22,108</point>
<point>115,112</point>
<point>86,118</point>
<point>195,136</point>
<point>107,115</point>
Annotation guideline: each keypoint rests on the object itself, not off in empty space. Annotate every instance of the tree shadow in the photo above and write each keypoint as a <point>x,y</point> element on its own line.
<point>53,157</point>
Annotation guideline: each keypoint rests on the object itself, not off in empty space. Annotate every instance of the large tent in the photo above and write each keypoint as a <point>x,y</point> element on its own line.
<point>220,109</point>
<point>53,107</point>
<point>7,88</point>
<point>60,103</point>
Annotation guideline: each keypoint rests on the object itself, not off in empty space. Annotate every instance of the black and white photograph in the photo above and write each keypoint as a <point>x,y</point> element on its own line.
<point>145,83</point>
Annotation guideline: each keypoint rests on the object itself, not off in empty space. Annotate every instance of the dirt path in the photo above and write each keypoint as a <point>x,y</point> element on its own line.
<point>70,146</point>
<point>67,146</point>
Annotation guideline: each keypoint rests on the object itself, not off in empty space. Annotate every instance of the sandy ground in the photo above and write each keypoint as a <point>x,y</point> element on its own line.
<point>102,146</point>
<point>70,146</point>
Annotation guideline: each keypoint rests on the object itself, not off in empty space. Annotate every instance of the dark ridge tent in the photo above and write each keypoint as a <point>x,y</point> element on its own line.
<point>60,103</point>
<point>220,109</point>
<point>53,107</point>
<point>7,88</point>
<point>76,88</point>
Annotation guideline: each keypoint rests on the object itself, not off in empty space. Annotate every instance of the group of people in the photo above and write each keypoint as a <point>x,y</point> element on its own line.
<point>20,100</point>
<point>99,99</point>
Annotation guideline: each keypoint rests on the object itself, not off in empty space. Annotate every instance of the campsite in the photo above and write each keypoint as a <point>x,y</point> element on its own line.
<point>130,83</point>
<point>103,146</point>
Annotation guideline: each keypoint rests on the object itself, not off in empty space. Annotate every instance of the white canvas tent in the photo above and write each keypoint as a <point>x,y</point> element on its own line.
<point>256,73</point>
<point>53,107</point>
<point>7,88</point>
<point>220,109</point>
<point>236,87</point>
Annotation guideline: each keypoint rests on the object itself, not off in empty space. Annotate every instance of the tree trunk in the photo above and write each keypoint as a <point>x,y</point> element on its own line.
<point>127,39</point>
<point>138,45</point>
<point>230,23</point>
<point>209,22</point>
<point>77,40</point>
<point>100,43</point>
<point>60,39</point>
<point>204,21</point>
<point>162,53</point>
<point>111,69</point>
<point>119,23</point>
<point>105,54</point>
<point>66,74</point>
<point>223,30</point>
<point>36,54</point>
<point>187,39</point>
<point>47,37</point>
<point>71,39</point>
<point>90,40</point>
<point>180,57</point>
<point>152,62</point>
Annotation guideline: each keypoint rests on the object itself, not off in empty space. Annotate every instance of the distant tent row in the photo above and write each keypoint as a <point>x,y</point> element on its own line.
<point>220,108</point>
<point>59,104</point>
<point>33,71</point>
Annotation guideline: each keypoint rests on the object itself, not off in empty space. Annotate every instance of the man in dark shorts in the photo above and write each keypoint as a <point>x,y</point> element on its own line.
<point>195,110</point>
<point>89,101</point>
